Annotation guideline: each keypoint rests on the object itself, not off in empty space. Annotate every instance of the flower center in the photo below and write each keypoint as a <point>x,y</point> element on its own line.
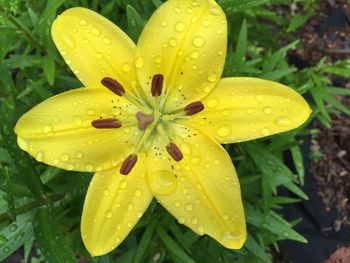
<point>148,123</point>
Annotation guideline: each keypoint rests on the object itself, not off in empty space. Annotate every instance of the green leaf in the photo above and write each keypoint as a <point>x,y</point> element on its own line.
<point>297,21</point>
<point>256,249</point>
<point>234,6</point>
<point>49,69</point>
<point>145,242</point>
<point>9,194</point>
<point>50,238</point>
<point>15,235</point>
<point>135,22</point>
<point>241,44</point>
<point>340,71</point>
<point>173,246</point>
<point>338,91</point>
<point>337,104</point>
<point>298,163</point>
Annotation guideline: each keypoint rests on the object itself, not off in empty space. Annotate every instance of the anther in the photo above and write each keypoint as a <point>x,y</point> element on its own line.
<point>144,120</point>
<point>128,164</point>
<point>157,85</point>
<point>194,108</point>
<point>113,86</point>
<point>106,123</point>
<point>174,152</point>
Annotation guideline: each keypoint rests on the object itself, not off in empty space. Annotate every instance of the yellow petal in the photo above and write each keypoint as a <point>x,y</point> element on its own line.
<point>58,131</point>
<point>94,47</point>
<point>113,205</point>
<point>186,42</point>
<point>242,109</point>
<point>202,190</point>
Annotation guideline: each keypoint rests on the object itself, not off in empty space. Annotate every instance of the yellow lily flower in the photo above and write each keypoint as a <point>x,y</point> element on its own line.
<point>151,119</point>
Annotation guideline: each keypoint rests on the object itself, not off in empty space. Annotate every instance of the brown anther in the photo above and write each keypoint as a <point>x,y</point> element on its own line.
<point>106,123</point>
<point>157,85</point>
<point>174,152</point>
<point>128,164</point>
<point>113,86</point>
<point>144,120</point>
<point>194,108</point>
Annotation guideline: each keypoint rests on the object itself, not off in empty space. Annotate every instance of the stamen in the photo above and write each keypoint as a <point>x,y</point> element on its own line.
<point>128,164</point>
<point>174,152</point>
<point>106,123</point>
<point>113,86</point>
<point>157,85</point>
<point>194,108</point>
<point>144,120</point>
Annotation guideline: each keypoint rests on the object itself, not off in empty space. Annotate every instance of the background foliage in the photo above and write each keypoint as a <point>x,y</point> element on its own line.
<point>40,206</point>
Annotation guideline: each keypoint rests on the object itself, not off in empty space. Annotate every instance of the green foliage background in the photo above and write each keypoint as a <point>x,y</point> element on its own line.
<point>40,206</point>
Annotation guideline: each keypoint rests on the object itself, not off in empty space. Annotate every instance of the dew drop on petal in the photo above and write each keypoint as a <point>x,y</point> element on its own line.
<point>189,207</point>
<point>162,182</point>
<point>68,41</point>
<point>265,132</point>
<point>179,26</point>
<point>260,98</point>
<point>229,240</point>
<point>198,41</point>
<point>83,22</point>
<point>139,62</point>
<point>267,110</point>
<point>109,214</point>
<point>212,103</point>
<point>106,41</point>
<point>224,131</point>
<point>39,156</point>
<point>194,220</point>
<point>126,67</point>
<point>283,121</point>
<point>64,157</point>
<point>95,32</point>
<point>138,193</point>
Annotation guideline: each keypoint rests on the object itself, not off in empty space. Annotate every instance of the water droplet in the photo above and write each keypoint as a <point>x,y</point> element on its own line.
<point>212,103</point>
<point>78,154</point>
<point>78,120</point>
<point>89,167</point>
<point>180,26</point>
<point>189,207</point>
<point>126,67</point>
<point>265,132</point>
<point>216,161</point>
<point>68,41</point>
<point>64,157</point>
<point>83,22</point>
<point>189,10</point>
<point>212,77</point>
<point>106,41</point>
<point>13,227</point>
<point>249,111</point>
<point>162,182</point>
<point>267,110</point>
<point>206,23</point>
<point>186,149</point>
<point>163,23</point>
<point>215,11</point>
<point>195,54</point>
<point>39,156</point>
<point>226,112</point>
<point>260,98</point>
<point>139,62</point>
<point>195,161</point>
<point>158,59</point>
<point>228,239</point>
<point>69,167</point>
<point>3,240</point>
<point>90,112</point>
<point>201,230</point>
<point>23,143</point>
<point>224,131</point>
<point>225,217</point>
<point>198,41</point>
<point>99,55</point>
<point>96,32</point>
<point>194,220</point>
<point>172,42</point>
<point>138,193</point>
<point>48,128</point>
<point>106,192</point>
<point>130,207</point>
<point>177,204</point>
<point>129,225</point>
<point>283,121</point>
<point>123,184</point>
<point>109,214</point>
<point>182,220</point>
